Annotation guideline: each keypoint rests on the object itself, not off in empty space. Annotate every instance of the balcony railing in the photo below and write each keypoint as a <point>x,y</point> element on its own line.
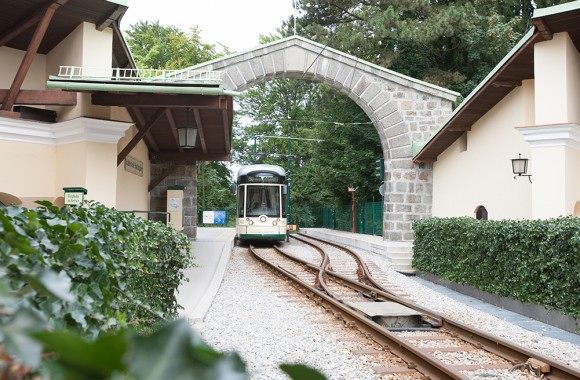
<point>185,76</point>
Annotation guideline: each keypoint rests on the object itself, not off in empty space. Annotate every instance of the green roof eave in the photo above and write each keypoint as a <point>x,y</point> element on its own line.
<point>124,3</point>
<point>465,101</point>
<point>54,83</point>
<point>562,8</point>
<point>417,146</point>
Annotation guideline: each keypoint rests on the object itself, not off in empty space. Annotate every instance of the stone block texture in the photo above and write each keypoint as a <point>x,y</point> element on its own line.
<point>403,110</point>
<point>183,175</point>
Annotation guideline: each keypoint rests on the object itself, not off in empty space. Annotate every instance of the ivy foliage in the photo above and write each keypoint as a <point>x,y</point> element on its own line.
<point>92,269</point>
<point>88,293</point>
<point>533,261</point>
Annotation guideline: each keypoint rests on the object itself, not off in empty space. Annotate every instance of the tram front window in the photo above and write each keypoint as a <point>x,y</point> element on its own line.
<point>263,200</point>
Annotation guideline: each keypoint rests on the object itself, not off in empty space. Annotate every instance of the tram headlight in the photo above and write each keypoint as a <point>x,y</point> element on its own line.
<point>250,221</point>
<point>275,222</point>
<point>263,219</point>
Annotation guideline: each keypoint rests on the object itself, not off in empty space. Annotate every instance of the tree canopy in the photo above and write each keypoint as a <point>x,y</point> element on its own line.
<point>451,43</point>
<point>167,47</point>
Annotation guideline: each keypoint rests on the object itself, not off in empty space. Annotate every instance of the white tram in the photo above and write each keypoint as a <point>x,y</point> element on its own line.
<point>261,203</point>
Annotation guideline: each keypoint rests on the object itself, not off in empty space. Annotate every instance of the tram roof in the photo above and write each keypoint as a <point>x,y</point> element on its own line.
<point>257,168</point>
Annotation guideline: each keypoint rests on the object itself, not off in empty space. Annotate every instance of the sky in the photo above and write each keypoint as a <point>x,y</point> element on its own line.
<point>236,24</point>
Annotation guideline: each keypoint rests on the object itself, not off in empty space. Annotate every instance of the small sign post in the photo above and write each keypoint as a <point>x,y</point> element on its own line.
<point>74,196</point>
<point>214,217</point>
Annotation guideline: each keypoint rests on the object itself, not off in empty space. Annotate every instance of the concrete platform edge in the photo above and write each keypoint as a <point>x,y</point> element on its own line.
<point>201,309</point>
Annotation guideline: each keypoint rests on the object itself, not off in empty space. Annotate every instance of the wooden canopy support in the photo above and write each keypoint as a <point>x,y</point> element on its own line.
<point>23,25</point>
<point>200,133</point>
<point>173,128</point>
<point>30,53</point>
<point>172,166</point>
<point>135,140</point>
<point>506,83</point>
<point>226,129</point>
<point>138,117</point>
<point>459,128</point>
<point>111,18</point>
<point>543,29</point>
<point>189,156</point>
<point>43,97</point>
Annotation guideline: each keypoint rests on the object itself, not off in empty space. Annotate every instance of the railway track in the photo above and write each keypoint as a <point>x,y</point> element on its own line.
<point>414,342</point>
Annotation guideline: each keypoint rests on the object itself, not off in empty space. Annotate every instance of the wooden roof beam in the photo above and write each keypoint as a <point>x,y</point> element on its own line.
<point>506,83</point>
<point>543,28</point>
<point>187,157</point>
<point>30,53</point>
<point>225,121</point>
<point>156,100</point>
<point>172,166</point>
<point>200,130</point>
<point>458,128</point>
<point>135,140</point>
<point>43,97</point>
<point>26,23</point>
<point>111,18</point>
<point>138,116</point>
<point>173,126</point>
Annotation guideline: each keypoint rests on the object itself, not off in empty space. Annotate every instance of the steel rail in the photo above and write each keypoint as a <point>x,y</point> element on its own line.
<point>427,315</point>
<point>413,356</point>
<point>493,344</point>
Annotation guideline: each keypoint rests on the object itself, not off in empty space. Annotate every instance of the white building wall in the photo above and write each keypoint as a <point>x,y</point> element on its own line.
<point>476,170</point>
<point>81,149</point>
<point>11,60</point>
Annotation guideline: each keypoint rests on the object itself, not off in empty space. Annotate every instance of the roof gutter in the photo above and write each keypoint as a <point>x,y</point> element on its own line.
<point>116,87</point>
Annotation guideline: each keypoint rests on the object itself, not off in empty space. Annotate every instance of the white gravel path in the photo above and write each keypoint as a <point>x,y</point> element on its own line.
<point>235,323</point>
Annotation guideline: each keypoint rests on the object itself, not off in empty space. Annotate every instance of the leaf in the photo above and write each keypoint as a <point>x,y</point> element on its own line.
<point>301,372</point>
<point>17,339</point>
<point>175,352</point>
<point>48,282</point>
<point>82,359</point>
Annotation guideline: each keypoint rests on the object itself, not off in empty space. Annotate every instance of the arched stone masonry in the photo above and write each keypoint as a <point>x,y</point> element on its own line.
<point>401,108</point>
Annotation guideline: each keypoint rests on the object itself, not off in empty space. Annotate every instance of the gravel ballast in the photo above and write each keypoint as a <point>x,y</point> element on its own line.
<point>280,329</point>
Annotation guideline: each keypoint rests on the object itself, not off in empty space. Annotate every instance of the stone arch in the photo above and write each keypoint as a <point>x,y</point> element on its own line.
<point>9,200</point>
<point>403,110</point>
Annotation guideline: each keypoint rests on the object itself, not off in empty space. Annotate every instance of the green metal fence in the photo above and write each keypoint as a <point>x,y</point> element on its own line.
<point>368,218</point>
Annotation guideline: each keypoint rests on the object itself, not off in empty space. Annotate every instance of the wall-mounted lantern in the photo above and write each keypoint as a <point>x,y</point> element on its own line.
<point>520,167</point>
<point>74,196</point>
<point>187,134</point>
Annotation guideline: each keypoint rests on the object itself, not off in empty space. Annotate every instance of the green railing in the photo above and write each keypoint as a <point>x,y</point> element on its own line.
<point>368,218</point>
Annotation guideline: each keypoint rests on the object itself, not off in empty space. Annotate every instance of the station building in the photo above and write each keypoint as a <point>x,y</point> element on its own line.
<point>75,113</point>
<point>527,107</point>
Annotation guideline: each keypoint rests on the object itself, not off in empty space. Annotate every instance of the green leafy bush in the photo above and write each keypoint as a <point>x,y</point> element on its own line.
<point>92,269</point>
<point>533,261</point>
<point>71,283</point>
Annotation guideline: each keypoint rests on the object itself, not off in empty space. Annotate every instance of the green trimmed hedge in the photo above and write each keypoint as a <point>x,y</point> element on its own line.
<point>533,261</point>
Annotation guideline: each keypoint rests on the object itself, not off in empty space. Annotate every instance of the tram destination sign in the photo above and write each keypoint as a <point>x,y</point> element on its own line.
<point>262,178</point>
